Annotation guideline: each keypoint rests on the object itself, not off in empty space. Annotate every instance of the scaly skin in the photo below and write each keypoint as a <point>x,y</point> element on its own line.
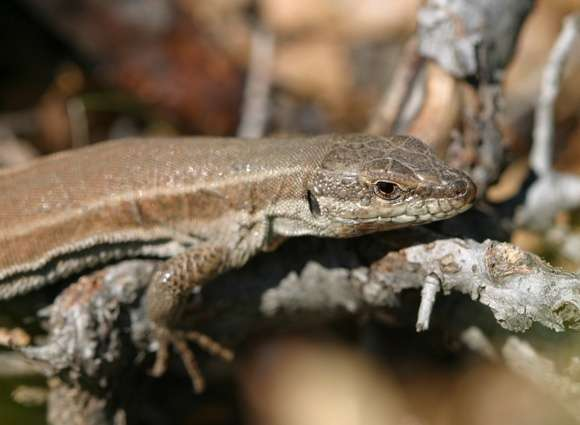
<point>209,205</point>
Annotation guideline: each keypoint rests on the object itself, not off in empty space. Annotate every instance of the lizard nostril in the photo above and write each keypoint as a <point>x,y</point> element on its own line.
<point>464,188</point>
<point>459,188</point>
<point>467,190</point>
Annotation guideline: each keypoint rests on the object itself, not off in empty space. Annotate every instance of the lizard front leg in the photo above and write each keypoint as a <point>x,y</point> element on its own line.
<point>168,294</point>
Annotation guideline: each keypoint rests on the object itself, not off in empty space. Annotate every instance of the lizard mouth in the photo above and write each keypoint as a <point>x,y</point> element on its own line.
<point>413,214</point>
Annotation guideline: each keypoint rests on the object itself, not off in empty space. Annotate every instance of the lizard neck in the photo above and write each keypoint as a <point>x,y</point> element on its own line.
<point>289,214</point>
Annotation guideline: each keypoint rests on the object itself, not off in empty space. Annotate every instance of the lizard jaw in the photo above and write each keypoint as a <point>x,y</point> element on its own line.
<point>413,215</point>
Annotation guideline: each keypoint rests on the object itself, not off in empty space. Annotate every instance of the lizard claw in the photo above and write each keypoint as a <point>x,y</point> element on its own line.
<point>179,339</point>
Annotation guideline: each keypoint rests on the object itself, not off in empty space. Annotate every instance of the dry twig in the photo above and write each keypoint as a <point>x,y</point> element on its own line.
<point>553,191</point>
<point>392,103</point>
<point>258,84</point>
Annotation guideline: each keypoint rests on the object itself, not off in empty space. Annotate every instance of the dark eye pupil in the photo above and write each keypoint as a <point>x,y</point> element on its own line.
<point>386,188</point>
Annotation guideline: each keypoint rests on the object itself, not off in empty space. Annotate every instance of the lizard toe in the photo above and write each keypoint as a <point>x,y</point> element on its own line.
<point>179,340</point>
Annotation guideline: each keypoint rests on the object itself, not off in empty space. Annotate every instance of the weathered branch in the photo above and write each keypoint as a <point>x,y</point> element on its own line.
<point>99,333</point>
<point>553,191</point>
<point>391,105</point>
<point>519,287</point>
<point>454,32</point>
<point>541,156</point>
<point>258,86</point>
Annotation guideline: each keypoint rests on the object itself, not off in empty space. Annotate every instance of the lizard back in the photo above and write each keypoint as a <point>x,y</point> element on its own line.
<point>137,197</point>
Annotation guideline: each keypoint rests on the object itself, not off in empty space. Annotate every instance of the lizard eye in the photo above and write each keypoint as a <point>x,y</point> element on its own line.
<point>387,190</point>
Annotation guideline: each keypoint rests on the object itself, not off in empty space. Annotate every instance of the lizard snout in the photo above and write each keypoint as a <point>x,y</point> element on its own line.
<point>463,188</point>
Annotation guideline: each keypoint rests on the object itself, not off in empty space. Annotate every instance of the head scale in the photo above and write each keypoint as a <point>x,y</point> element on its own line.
<point>370,183</point>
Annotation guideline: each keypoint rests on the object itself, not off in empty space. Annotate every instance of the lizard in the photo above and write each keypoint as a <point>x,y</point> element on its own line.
<point>207,205</point>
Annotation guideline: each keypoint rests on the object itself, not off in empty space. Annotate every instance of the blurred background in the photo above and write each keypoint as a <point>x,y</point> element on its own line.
<point>76,72</point>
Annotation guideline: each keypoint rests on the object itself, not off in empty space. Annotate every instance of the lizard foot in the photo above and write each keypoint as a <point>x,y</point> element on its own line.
<point>179,339</point>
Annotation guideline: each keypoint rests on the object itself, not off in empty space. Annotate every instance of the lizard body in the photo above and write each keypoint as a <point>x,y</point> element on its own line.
<point>209,204</point>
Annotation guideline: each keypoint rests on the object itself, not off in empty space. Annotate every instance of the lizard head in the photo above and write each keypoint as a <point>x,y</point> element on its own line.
<point>370,183</point>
